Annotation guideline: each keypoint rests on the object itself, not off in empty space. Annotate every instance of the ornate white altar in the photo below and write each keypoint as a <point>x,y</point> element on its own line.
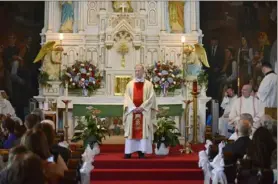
<point>97,34</point>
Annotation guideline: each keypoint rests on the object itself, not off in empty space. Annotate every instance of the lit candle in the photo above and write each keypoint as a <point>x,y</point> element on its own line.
<point>61,36</point>
<point>183,39</point>
<point>195,86</point>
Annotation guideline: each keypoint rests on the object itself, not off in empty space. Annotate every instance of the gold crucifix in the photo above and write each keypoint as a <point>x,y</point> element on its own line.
<point>123,50</point>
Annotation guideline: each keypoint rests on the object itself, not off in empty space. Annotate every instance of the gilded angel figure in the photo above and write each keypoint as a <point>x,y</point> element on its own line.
<point>194,56</point>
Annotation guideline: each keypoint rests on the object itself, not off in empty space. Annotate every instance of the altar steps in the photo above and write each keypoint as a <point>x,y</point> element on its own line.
<point>176,168</point>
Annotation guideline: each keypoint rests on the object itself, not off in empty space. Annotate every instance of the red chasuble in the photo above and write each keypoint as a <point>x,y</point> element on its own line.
<point>137,124</point>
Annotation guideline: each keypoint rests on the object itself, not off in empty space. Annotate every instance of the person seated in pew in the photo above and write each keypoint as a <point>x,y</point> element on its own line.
<point>23,167</point>
<point>246,117</point>
<point>36,141</point>
<point>60,154</point>
<point>30,121</point>
<point>258,157</point>
<point>239,147</point>
<point>8,127</point>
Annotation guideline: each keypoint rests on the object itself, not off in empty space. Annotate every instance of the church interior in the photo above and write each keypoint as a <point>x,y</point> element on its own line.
<point>138,92</point>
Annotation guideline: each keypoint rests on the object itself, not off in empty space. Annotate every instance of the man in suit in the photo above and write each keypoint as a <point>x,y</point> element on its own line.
<point>215,57</point>
<point>239,147</point>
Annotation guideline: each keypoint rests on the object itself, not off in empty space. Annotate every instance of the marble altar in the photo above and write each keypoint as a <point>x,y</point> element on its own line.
<point>98,31</point>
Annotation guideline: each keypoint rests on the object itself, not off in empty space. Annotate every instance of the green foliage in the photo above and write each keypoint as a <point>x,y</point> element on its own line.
<point>202,78</point>
<point>43,78</point>
<point>166,132</point>
<point>91,125</point>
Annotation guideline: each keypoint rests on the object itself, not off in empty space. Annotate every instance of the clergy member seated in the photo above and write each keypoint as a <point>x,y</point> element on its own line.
<point>6,107</point>
<point>267,92</point>
<point>247,104</point>
<point>139,115</point>
<point>228,100</point>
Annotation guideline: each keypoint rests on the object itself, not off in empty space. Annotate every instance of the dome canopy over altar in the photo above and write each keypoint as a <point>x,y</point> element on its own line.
<point>96,31</point>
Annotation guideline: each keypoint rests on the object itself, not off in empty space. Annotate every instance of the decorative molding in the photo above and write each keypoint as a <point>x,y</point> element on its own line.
<point>92,13</point>
<point>152,13</point>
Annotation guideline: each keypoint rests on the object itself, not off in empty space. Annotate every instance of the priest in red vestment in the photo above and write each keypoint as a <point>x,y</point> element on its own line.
<point>139,115</point>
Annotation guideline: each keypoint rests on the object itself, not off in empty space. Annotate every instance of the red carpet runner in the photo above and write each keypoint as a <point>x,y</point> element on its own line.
<point>112,168</point>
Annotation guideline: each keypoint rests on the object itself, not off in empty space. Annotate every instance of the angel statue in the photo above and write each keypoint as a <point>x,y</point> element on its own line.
<point>194,56</point>
<point>51,55</point>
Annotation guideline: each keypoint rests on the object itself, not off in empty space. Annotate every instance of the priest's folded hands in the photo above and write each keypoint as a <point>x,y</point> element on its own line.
<point>138,110</point>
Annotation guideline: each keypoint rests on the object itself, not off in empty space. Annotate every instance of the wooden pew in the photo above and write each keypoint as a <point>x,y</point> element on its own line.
<point>272,112</point>
<point>5,154</point>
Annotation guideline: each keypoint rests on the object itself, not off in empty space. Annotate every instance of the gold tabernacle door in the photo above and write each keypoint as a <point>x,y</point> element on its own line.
<point>120,84</point>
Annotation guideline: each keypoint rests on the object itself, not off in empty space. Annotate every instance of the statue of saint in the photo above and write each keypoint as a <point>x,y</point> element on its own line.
<point>51,55</point>
<point>176,16</point>
<point>67,17</point>
<point>119,5</point>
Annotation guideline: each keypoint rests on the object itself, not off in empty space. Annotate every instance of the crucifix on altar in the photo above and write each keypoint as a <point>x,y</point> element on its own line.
<point>123,6</point>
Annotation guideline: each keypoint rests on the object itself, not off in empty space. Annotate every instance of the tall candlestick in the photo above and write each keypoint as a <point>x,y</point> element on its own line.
<point>195,86</point>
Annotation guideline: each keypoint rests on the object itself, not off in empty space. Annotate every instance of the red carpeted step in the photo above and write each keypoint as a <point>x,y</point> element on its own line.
<point>116,148</point>
<point>116,160</point>
<point>146,174</point>
<point>149,182</point>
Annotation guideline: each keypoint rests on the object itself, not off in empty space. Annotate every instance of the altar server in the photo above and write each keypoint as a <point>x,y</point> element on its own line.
<point>226,104</point>
<point>247,104</point>
<point>267,92</point>
<point>139,115</point>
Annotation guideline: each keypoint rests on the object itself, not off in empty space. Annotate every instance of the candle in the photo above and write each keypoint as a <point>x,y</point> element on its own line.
<point>195,86</point>
<point>183,39</point>
<point>61,36</point>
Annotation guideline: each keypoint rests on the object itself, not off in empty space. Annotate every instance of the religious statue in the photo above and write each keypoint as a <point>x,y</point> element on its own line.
<point>176,16</point>
<point>67,17</point>
<point>51,54</point>
<point>122,6</point>
<point>194,56</point>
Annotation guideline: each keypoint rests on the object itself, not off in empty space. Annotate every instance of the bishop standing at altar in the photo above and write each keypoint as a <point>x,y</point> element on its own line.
<point>139,115</point>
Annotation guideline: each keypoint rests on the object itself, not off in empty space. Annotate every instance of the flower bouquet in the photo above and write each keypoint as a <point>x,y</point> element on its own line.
<point>82,75</point>
<point>165,77</point>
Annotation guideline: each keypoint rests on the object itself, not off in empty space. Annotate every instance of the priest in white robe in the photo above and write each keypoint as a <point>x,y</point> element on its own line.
<point>267,92</point>
<point>139,115</point>
<point>247,104</point>
<point>6,107</point>
<point>226,104</point>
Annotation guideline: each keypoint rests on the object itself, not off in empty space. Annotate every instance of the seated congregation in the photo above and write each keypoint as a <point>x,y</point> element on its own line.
<point>246,150</point>
<point>31,152</point>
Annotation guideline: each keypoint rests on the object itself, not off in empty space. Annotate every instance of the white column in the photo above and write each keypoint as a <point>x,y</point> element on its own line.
<point>187,16</point>
<point>193,16</point>
<point>162,8</point>
<point>81,16</point>
<point>50,16</point>
<point>102,6</point>
<point>142,6</point>
<point>198,14</point>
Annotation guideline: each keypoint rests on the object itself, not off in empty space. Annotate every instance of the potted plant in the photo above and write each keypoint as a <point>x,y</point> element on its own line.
<point>166,135</point>
<point>91,129</point>
<point>202,80</point>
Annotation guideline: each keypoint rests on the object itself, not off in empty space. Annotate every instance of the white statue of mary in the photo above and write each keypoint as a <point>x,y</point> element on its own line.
<point>67,17</point>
